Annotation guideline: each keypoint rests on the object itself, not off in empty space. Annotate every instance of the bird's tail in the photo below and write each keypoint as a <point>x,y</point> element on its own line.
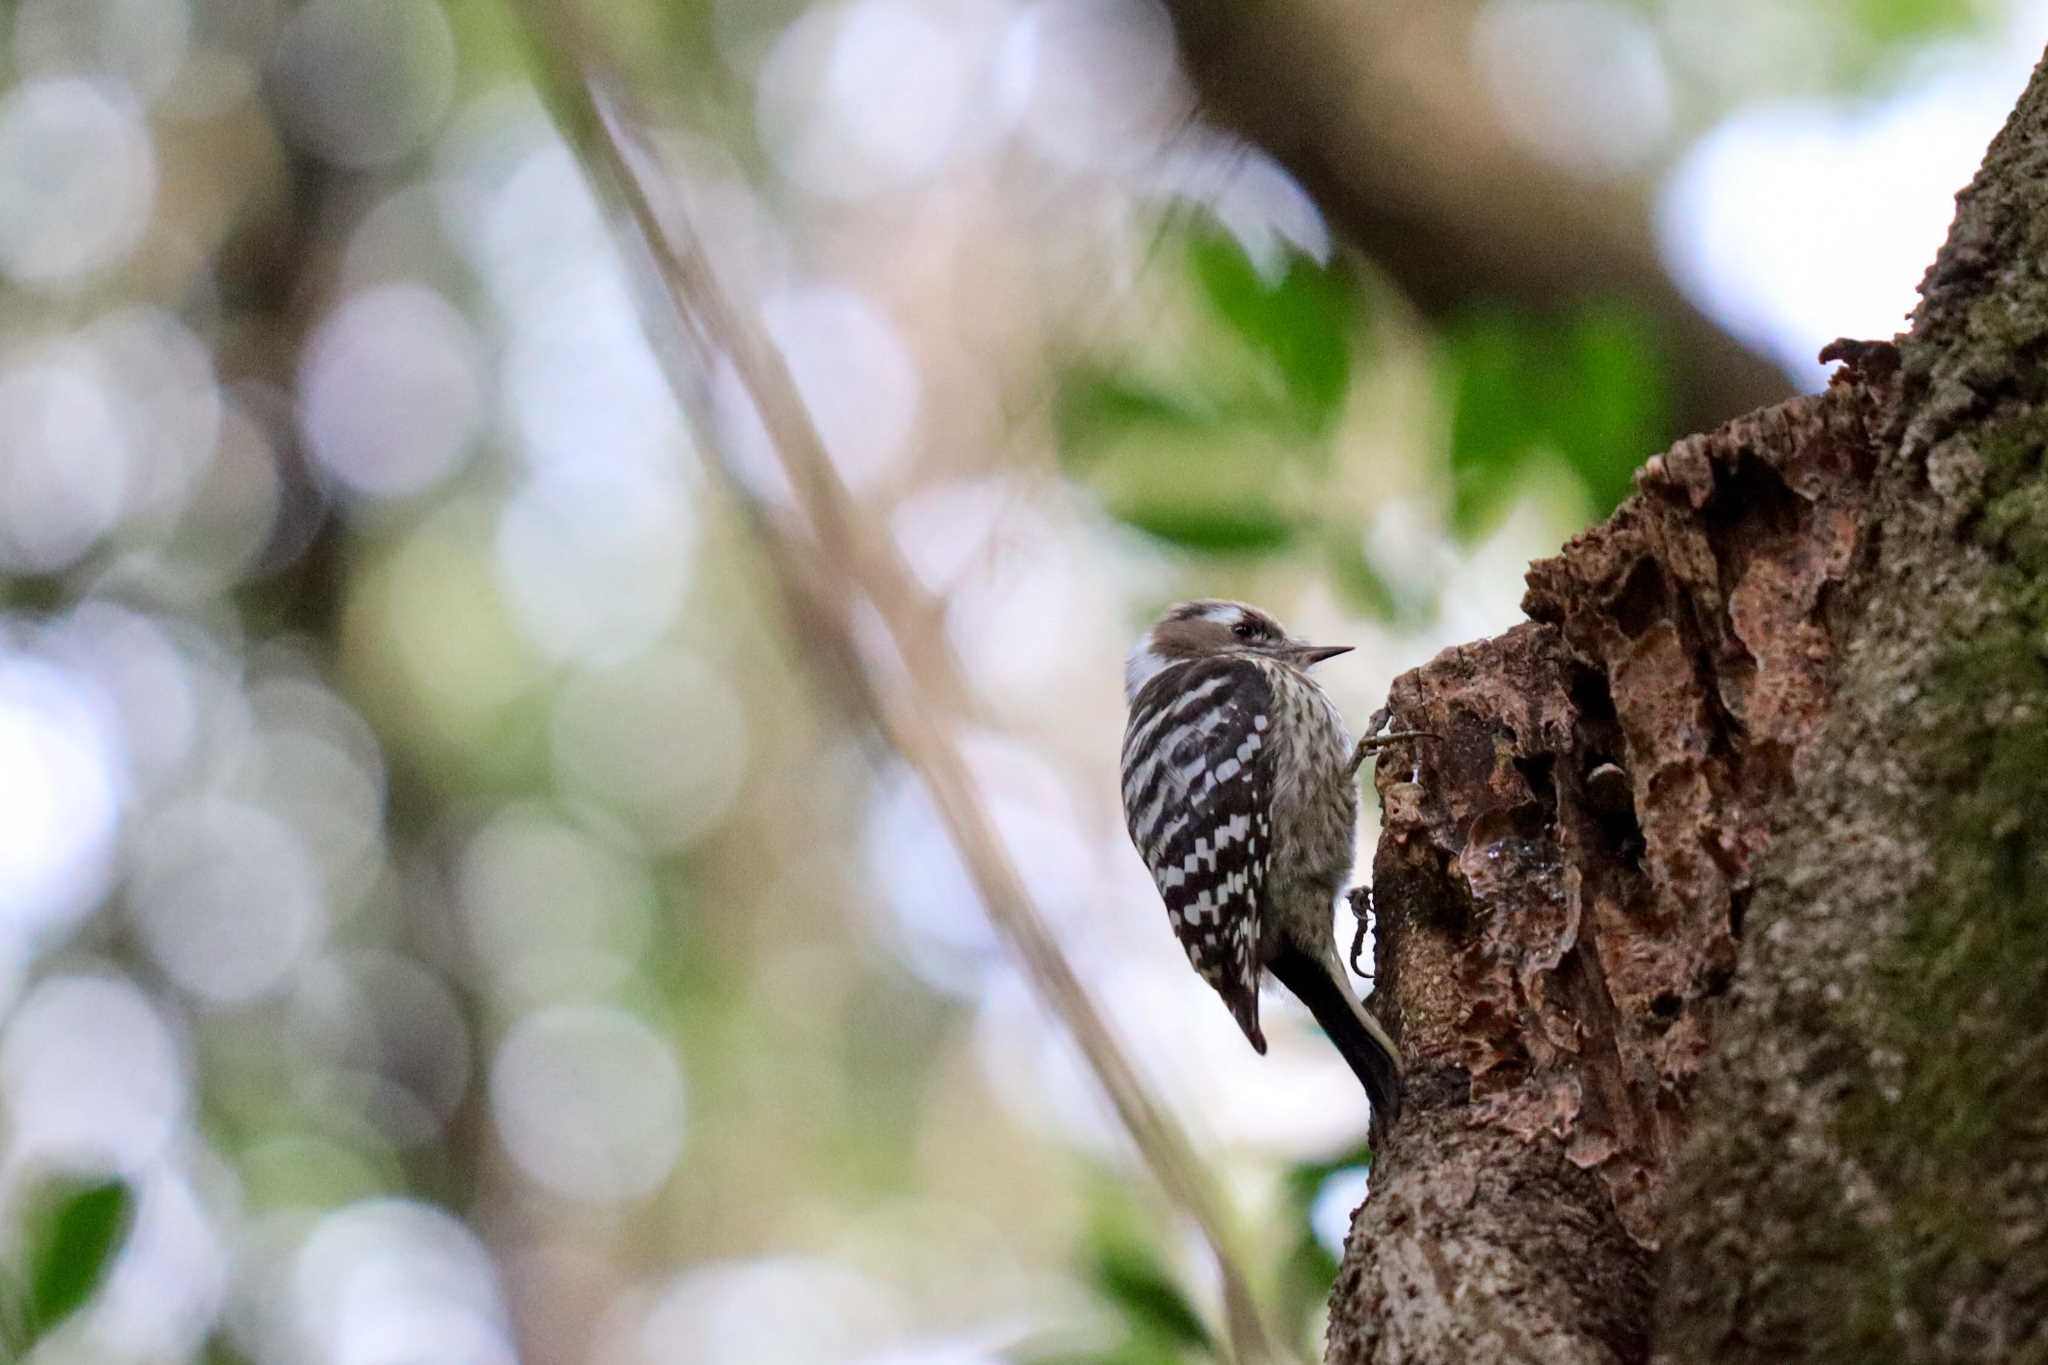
<point>1374,1059</point>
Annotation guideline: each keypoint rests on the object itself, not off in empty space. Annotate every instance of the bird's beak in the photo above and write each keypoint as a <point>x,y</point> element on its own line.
<point>1306,655</point>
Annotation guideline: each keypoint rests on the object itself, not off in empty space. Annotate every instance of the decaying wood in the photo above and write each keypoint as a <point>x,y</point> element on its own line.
<point>1562,878</point>
<point>1715,926</point>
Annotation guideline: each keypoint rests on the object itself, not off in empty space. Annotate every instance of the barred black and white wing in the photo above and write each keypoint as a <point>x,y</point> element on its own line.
<point>1197,799</point>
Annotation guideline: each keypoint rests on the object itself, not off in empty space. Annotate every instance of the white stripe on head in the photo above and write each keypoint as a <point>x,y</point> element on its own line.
<point>1141,666</point>
<point>1224,613</point>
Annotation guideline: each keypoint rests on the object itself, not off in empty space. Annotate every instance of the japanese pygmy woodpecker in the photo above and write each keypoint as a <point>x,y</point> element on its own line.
<point>1240,792</point>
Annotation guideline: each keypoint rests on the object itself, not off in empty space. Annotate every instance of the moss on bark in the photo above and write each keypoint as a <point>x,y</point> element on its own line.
<point>1719,911</point>
<point>1875,1185</point>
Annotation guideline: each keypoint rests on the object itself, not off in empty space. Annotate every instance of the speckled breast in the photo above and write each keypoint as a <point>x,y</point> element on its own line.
<point>1315,802</point>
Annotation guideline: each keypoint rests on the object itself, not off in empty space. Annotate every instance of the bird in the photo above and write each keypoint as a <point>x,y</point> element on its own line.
<point>1240,794</point>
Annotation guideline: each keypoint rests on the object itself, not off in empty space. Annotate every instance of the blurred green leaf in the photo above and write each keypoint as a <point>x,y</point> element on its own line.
<point>1362,585</point>
<point>1897,21</point>
<point>1214,530</point>
<point>1173,468</point>
<point>1130,1275</point>
<point>1590,387</point>
<point>1301,322</point>
<point>1212,452</point>
<point>1497,397</point>
<point>1133,1350</point>
<point>71,1246</point>
<point>1140,1287</point>
<point>14,1338</point>
<point>1304,1179</point>
<point>1096,407</point>
<point>1209,496</point>
<point>492,46</point>
<point>1310,1270</point>
<point>1611,411</point>
<point>220,1351</point>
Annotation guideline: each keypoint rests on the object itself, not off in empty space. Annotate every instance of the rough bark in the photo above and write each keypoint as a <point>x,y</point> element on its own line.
<point>1715,925</point>
<point>1370,104</point>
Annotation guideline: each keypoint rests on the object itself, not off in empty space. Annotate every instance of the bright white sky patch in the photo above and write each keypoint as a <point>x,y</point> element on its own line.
<point>935,918</point>
<point>594,562</point>
<point>824,1313</point>
<point>65,461</point>
<point>158,377</point>
<point>589,1101</point>
<point>583,392</point>
<point>226,899</point>
<point>77,179</point>
<point>60,803</point>
<point>165,1288</point>
<point>898,82</point>
<point>660,742</point>
<point>870,96</point>
<point>516,875</point>
<point>1796,223</point>
<point>391,393</point>
<point>1329,1217</point>
<point>90,1075</point>
<point>1093,83</point>
<point>393,1279</point>
<point>854,372</point>
<point>1250,194</point>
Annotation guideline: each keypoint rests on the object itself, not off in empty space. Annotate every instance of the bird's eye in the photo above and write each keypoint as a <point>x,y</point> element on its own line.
<point>1245,630</point>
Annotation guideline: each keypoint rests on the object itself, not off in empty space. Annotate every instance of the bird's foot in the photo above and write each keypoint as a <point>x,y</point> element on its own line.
<point>1361,912</point>
<point>1371,743</point>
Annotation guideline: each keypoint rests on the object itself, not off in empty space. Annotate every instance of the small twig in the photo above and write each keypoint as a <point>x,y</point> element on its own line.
<point>827,581</point>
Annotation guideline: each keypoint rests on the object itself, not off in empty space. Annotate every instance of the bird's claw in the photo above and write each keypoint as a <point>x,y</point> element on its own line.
<point>1371,743</point>
<point>1361,914</point>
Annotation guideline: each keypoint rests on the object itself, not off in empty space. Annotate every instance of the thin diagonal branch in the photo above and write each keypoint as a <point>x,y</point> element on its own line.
<point>828,579</point>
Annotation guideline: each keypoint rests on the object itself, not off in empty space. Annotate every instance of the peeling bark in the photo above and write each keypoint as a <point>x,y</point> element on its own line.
<point>1715,925</point>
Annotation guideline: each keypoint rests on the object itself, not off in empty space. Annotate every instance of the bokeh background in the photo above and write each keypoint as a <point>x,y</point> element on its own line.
<point>446,914</point>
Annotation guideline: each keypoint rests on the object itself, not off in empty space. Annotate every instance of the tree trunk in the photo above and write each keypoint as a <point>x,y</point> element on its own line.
<point>1715,923</point>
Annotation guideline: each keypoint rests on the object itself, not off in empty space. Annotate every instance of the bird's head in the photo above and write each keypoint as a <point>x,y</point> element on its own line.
<point>1207,629</point>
